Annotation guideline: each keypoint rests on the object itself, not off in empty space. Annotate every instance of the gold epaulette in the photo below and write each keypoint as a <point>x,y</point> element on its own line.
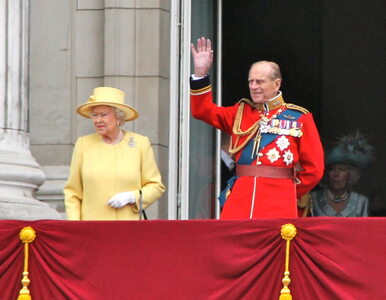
<point>250,102</point>
<point>201,91</point>
<point>296,107</point>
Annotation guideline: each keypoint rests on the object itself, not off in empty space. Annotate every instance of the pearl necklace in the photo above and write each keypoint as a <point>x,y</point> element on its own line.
<point>337,199</point>
<point>117,140</point>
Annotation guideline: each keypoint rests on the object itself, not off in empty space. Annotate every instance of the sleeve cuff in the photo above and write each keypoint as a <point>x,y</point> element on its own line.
<point>200,85</point>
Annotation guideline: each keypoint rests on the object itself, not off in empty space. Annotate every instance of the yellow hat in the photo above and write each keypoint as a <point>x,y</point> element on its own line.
<point>107,96</point>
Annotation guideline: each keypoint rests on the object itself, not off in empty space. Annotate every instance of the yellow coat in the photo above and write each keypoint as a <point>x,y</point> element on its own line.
<point>100,170</point>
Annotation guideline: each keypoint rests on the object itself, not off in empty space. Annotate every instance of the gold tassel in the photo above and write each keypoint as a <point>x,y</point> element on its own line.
<point>288,232</point>
<point>27,235</point>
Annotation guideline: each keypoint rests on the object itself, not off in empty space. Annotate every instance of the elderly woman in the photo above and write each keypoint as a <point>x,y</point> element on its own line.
<point>112,170</point>
<point>344,162</point>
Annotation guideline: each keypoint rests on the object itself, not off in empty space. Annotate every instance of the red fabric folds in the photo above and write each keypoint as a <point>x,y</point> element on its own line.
<point>331,258</point>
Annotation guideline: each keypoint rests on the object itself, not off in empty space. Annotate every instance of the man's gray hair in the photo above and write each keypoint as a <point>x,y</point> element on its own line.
<point>275,69</point>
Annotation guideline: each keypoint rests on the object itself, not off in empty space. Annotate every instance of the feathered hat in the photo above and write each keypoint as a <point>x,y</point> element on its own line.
<point>351,149</point>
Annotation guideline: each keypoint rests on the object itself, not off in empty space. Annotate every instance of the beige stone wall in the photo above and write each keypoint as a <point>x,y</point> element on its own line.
<point>79,45</point>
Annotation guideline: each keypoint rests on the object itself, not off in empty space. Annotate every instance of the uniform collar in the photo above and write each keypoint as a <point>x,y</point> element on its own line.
<point>271,104</point>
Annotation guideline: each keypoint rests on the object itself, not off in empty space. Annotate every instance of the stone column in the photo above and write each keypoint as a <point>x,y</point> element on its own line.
<point>20,175</point>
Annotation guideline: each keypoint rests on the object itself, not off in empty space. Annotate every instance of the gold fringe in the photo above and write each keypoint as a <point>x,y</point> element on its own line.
<point>27,235</point>
<point>288,232</point>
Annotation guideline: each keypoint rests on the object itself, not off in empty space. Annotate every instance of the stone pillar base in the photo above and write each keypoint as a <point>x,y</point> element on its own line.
<point>17,208</point>
<point>20,177</point>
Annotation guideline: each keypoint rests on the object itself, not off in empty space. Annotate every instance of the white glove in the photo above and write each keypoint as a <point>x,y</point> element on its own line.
<point>122,199</point>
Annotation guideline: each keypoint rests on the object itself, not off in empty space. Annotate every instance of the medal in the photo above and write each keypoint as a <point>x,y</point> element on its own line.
<point>264,120</point>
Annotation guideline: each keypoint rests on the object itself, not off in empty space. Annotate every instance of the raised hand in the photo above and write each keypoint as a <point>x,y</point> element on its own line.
<point>202,56</point>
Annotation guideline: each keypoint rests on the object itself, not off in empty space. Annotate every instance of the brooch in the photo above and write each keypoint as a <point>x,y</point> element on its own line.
<point>131,142</point>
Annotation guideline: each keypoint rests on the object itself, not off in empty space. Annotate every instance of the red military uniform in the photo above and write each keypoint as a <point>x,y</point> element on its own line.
<point>277,149</point>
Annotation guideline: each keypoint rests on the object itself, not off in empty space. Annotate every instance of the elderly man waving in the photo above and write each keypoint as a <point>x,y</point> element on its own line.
<point>276,146</point>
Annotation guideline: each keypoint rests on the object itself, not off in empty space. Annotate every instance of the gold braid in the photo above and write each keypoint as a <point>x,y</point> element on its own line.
<point>237,123</point>
<point>238,132</point>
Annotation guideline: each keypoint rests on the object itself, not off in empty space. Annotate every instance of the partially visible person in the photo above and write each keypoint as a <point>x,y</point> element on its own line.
<point>377,204</point>
<point>226,158</point>
<point>228,171</point>
<point>112,170</point>
<point>276,145</point>
<point>344,163</point>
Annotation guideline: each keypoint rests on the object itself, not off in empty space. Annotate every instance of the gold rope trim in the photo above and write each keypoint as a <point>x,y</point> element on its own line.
<point>27,235</point>
<point>237,123</point>
<point>238,132</point>
<point>251,131</point>
<point>288,232</point>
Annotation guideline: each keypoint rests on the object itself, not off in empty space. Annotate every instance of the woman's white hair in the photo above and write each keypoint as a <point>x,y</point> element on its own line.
<point>121,116</point>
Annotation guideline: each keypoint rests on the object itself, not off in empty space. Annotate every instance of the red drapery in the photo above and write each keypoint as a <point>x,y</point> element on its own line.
<point>331,258</point>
